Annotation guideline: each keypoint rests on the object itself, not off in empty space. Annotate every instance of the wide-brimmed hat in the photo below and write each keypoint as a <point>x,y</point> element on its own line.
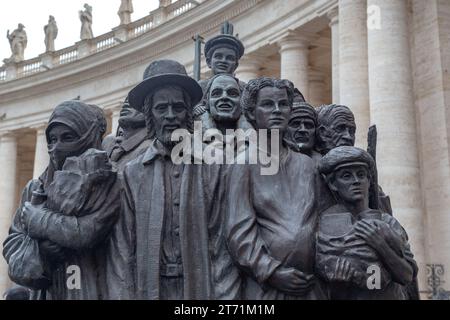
<point>226,40</point>
<point>161,73</point>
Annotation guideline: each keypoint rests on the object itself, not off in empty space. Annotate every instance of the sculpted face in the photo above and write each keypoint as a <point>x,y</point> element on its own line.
<point>340,133</point>
<point>131,118</point>
<point>224,97</point>
<point>169,111</point>
<point>61,144</point>
<point>351,183</point>
<point>224,60</point>
<point>302,131</point>
<point>272,109</point>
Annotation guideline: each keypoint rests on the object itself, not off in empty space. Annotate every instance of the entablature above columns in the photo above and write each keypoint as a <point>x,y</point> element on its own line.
<point>121,66</point>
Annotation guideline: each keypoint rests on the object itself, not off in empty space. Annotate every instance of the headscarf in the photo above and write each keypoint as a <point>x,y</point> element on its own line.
<point>87,121</point>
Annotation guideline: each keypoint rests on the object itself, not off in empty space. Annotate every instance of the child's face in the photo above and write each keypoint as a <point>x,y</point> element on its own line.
<point>351,183</point>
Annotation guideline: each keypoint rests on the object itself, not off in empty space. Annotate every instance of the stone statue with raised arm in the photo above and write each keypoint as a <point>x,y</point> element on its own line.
<point>86,22</point>
<point>51,32</point>
<point>18,42</point>
<point>125,11</point>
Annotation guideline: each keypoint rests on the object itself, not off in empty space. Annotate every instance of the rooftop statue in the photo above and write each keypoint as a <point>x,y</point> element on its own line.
<point>51,32</point>
<point>125,11</point>
<point>86,23</point>
<point>18,42</point>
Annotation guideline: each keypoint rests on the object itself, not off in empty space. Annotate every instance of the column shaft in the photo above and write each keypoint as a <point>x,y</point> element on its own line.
<point>392,110</point>
<point>353,77</point>
<point>115,120</point>
<point>333,15</point>
<point>41,157</point>
<point>317,90</point>
<point>8,159</point>
<point>248,69</point>
<point>294,62</point>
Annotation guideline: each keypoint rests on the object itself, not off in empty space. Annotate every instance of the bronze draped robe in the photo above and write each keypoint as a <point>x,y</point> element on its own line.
<point>336,239</point>
<point>271,222</point>
<point>82,238</point>
<point>79,231</point>
<point>136,258</point>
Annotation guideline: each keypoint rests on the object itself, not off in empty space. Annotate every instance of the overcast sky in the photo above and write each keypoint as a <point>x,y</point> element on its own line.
<point>34,15</point>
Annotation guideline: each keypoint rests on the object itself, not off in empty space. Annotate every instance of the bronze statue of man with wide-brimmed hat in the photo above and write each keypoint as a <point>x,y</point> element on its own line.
<point>163,230</point>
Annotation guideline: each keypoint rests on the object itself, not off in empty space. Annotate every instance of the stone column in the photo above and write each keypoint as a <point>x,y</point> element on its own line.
<point>353,77</point>
<point>392,110</point>
<point>8,159</point>
<point>294,51</point>
<point>317,90</point>
<point>115,115</point>
<point>333,15</point>
<point>41,157</point>
<point>248,68</point>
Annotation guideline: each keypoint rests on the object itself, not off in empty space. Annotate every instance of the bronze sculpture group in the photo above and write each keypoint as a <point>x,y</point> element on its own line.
<point>139,226</point>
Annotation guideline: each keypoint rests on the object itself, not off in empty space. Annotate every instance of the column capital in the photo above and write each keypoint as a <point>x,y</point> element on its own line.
<point>8,136</point>
<point>251,61</point>
<point>333,16</point>
<point>249,67</point>
<point>295,40</point>
<point>39,127</point>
